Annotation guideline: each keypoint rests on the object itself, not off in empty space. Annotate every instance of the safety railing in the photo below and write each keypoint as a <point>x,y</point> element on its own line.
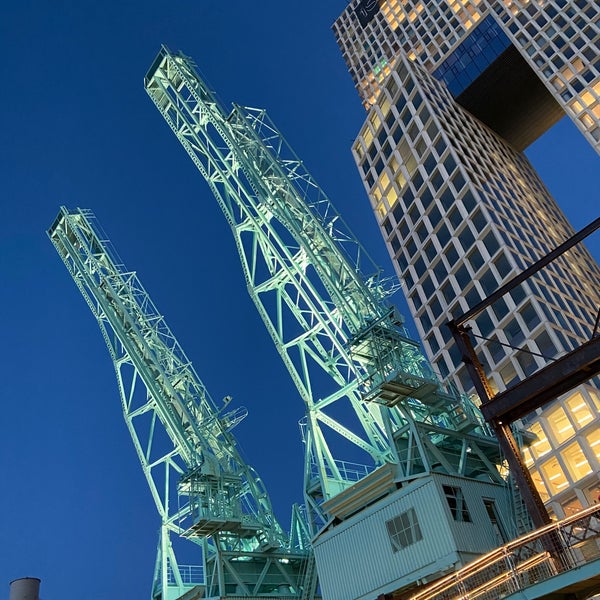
<point>527,560</point>
<point>190,575</point>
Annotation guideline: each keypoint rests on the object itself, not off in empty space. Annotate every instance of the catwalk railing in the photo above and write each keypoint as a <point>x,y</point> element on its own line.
<point>527,560</point>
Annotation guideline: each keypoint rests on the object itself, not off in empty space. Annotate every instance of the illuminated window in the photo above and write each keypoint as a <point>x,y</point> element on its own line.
<point>384,106</point>
<point>367,136</point>
<point>560,425</point>
<point>593,440</point>
<point>576,461</point>
<point>359,150</point>
<point>579,410</point>
<point>593,494</point>
<point>595,397</point>
<point>541,446</point>
<point>375,120</point>
<point>554,476</point>
<point>572,507</point>
<point>527,457</point>
<point>392,196</point>
<point>540,486</point>
<point>384,181</point>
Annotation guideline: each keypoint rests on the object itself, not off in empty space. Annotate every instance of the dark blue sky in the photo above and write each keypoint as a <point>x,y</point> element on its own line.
<point>78,129</point>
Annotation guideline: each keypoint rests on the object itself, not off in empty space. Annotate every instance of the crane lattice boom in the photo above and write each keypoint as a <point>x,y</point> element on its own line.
<point>360,376</point>
<point>202,487</point>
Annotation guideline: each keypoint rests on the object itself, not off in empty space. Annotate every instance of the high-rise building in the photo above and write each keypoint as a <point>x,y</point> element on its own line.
<point>455,91</point>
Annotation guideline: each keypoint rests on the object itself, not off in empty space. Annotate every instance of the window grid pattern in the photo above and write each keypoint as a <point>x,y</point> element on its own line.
<point>424,31</point>
<point>477,198</point>
<point>559,39</point>
<point>567,442</point>
<point>461,212</point>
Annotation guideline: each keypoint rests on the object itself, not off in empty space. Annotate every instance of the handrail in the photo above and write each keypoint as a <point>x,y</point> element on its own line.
<point>523,561</point>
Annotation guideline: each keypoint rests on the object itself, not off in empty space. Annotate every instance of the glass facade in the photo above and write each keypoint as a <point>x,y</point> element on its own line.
<point>462,211</point>
<point>472,56</point>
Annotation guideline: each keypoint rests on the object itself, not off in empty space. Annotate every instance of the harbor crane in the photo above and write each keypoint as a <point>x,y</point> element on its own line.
<point>379,423</point>
<point>204,491</point>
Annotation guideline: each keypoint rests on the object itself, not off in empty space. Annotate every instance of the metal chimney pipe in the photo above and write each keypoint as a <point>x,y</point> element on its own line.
<point>26,588</point>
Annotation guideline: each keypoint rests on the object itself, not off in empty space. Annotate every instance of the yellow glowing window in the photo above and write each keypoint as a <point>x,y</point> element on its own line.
<point>541,446</point>
<point>358,149</point>
<point>587,98</point>
<point>595,397</point>
<point>392,196</point>
<point>576,462</point>
<point>367,136</point>
<point>560,425</point>
<point>384,181</point>
<point>527,457</point>
<point>576,106</point>
<point>384,106</point>
<point>554,476</point>
<point>375,120</point>
<point>540,486</point>
<point>580,411</point>
<point>567,73</point>
<point>400,179</point>
<point>557,83</point>
<point>593,440</point>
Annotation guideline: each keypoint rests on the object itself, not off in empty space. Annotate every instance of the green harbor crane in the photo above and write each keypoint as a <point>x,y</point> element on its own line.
<point>361,378</point>
<point>202,488</point>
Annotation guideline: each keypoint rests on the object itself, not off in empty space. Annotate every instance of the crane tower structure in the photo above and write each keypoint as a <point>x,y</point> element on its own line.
<point>203,489</point>
<point>367,388</point>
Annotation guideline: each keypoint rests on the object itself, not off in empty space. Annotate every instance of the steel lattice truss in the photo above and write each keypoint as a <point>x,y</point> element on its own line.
<point>359,375</point>
<point>202,488</point>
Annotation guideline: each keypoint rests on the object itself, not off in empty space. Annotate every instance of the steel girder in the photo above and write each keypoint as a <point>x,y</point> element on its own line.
<point>201,486</point>
<point>340,340</point>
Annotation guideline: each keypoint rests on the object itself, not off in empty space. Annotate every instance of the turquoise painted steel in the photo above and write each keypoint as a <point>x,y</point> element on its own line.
<point>362,379</point>
<point>202,488</point>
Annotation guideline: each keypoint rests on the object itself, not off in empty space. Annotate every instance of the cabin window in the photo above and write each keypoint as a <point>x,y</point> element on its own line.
<point>404,530</point>
<point>457,504</point>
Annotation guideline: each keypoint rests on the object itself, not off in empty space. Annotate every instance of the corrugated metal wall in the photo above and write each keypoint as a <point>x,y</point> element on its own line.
<point>356,560</point>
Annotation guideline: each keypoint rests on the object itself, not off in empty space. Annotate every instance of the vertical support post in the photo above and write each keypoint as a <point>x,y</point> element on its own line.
<point>164,556</point>
<point>533,501</point>
<point>508,444</point>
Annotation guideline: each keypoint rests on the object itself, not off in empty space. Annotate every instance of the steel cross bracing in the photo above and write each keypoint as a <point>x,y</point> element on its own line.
<point>351,360</point>
<point>201,486</point>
